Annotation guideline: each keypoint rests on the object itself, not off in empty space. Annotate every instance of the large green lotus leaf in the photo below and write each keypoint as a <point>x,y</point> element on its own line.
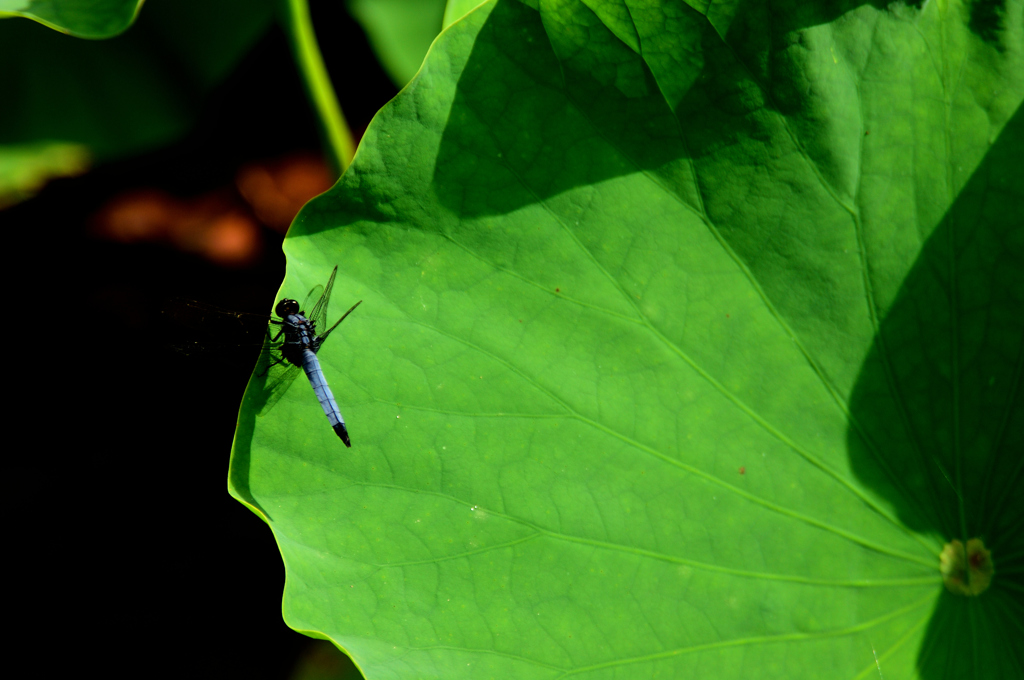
<point>687,343</point>
<point>82,18</point>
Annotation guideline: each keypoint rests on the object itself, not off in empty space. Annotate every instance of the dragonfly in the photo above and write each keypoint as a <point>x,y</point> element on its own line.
<point>293,346</point>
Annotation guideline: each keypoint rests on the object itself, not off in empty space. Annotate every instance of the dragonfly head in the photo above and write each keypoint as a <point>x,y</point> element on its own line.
<point>286,306</point>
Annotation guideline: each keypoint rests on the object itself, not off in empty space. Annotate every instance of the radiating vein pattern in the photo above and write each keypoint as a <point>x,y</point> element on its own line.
<point>668,304</point>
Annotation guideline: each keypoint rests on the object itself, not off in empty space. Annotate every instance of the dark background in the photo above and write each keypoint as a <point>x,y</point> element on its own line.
<point>133,559</point>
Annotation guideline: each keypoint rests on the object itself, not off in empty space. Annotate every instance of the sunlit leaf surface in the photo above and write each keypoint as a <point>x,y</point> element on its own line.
<point>688,342</point>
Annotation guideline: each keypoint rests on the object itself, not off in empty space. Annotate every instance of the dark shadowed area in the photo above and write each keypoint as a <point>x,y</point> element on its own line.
<point>136,562</point>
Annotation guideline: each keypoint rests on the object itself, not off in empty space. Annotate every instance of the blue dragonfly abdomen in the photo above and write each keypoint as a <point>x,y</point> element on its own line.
<point>302,342</point>
<point>300,347</point>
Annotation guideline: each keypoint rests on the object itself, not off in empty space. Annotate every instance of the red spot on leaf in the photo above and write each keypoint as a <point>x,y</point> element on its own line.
<point>558,290</point>
<point>743,469</point>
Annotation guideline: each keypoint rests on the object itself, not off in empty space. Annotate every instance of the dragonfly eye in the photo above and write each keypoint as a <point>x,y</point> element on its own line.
<point>286,306</point>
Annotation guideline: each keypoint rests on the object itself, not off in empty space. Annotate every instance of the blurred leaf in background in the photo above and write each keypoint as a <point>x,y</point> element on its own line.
<point>25,168</point>
<point>400,32</point>
<point>81,18</point>
<point>112,98</point>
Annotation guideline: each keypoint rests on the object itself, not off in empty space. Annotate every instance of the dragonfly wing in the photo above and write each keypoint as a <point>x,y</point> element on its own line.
<point>323,337</point>
<point>310,302</point>
<point>213,319</point>
<point>196,328</point>
<point>278,379</point>
<point>318,313</point>
<point>218,333</point>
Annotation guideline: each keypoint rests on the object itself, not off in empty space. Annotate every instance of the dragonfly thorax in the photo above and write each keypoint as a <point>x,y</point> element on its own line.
<point>299,336</point>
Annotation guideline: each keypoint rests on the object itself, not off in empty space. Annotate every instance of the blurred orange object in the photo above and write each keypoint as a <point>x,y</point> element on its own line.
<point>277,190</point>
<point>219,225</point>
<point>215,226</point>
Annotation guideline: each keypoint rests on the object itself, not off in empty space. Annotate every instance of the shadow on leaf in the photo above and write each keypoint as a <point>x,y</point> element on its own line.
<point>937,416</point>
